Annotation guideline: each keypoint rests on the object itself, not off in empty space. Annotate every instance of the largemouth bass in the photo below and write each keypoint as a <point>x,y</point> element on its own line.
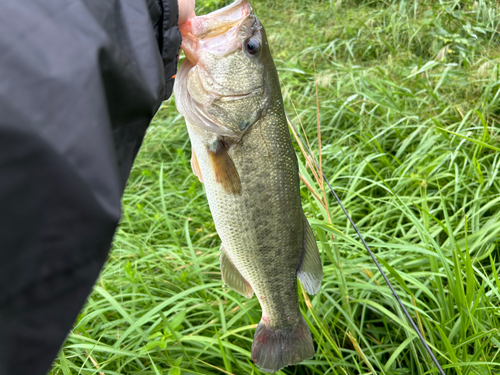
<point>228,91</point>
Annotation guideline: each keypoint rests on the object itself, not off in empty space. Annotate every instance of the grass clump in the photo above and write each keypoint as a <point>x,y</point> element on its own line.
<point>409,108</point>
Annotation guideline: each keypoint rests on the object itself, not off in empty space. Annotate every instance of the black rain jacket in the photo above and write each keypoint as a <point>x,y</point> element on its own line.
<point>80,80</point>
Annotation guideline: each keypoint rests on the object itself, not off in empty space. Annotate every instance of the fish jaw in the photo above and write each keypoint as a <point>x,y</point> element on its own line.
<point>222,24</point>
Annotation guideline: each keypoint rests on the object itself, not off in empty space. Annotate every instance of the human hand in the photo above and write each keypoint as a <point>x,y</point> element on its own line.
<point>186,10</point>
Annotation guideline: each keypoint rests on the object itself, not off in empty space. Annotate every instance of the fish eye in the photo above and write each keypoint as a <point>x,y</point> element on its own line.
<point>252,46</point>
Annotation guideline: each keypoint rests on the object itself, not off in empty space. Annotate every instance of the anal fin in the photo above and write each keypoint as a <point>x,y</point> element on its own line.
<point>196,166</point>
<point>232,277</point>
<point>310,272</point>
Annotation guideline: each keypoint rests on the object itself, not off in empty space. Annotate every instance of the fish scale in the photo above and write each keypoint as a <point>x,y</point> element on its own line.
<point>243,153</point>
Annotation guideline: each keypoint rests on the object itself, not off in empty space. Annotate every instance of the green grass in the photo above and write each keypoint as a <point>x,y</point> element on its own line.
<point>409,105</point>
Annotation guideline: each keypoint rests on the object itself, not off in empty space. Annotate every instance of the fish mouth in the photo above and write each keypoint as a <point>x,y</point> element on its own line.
<point>213,25</point>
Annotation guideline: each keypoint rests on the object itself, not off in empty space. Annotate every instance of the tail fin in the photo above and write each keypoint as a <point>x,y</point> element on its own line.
<point>273,349</point>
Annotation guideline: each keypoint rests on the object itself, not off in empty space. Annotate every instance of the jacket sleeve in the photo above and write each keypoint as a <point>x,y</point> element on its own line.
<point>80,82</point>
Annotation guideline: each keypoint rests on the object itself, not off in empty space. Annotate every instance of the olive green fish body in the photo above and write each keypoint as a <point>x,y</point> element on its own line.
<point>228,91</point>
<point>261,228</point>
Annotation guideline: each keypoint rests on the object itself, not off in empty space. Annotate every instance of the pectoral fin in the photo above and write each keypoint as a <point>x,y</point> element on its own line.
<point>310,272</point>
<point>224,168</point>
<point>196,167</point>
<point>232,277</point>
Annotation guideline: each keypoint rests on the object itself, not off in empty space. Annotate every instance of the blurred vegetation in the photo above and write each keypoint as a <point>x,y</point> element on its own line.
<point>409,108</point>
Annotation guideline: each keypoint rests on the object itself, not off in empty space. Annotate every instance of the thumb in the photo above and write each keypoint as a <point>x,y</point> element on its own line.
<point>186,10</point>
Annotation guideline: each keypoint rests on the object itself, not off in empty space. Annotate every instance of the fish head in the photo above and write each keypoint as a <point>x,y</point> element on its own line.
<point>223,85</point>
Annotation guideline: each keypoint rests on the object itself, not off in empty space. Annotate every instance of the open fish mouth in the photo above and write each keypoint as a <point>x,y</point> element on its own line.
<point>223,23</point>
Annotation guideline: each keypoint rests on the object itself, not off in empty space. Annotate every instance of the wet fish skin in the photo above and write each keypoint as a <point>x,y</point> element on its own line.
<point>242,151</point>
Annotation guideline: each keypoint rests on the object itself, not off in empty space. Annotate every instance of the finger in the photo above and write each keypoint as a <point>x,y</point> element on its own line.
<point>186,10</point>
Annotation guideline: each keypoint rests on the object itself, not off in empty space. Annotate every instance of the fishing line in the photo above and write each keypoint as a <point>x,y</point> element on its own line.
<point>419,334</point>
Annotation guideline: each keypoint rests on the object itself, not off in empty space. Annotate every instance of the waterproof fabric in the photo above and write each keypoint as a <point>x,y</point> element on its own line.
<point>80,81</point>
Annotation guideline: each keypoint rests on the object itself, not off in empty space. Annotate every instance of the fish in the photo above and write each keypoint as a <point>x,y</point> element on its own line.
<point>228,90</point>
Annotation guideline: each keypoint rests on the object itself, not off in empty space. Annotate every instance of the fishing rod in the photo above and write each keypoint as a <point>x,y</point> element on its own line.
<point>419,334</point>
